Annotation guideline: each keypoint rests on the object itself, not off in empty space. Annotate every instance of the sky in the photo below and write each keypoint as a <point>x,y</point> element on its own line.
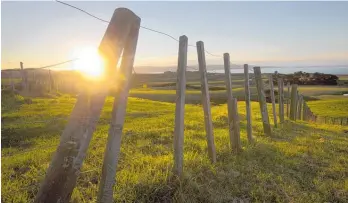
<point>263,33</point>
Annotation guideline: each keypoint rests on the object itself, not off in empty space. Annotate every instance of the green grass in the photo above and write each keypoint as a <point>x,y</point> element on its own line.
<point>301,162</point>
<point>343,77</point>
<point>316,90</point>
<point>333,106</point>
<point>192,96</point>
<point>7,81</point>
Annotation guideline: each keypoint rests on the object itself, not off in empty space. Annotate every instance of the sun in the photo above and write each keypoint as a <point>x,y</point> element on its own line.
<point>89,62</point>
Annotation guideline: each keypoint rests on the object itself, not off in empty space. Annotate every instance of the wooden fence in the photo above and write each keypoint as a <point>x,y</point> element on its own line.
<point>121,36</point>
<point>299,110</point>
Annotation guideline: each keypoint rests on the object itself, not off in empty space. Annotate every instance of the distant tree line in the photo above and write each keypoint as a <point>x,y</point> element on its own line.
<point>303,78</point>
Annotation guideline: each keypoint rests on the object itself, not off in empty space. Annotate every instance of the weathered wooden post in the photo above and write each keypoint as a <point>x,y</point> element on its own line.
<point>24,78</point>
<point>262,101</point>
<point>281,99</point>
<point>65,166</point>
<point>247,103</point>
<point>299,107</point>
<point>270,78</point>
<point>288,101</point>
<point>236,129</point>
<point>293,102</point>
<point>206,101</point>
<point>50,80</point>
<point>235,144</point>
<point>304,109</point>
<point>180,107</point>
<point>112,152</point>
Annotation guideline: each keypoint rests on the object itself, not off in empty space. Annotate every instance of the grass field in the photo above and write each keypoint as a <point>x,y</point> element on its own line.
<point>301,162</point>
<point>219,96</point>
<point>334,106</point>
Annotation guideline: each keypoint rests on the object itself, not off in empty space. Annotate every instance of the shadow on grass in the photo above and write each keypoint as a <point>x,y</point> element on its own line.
<point>265,171</point>
<point>23,136</point>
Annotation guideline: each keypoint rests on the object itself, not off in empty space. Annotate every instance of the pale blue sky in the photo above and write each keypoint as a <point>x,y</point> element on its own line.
<point>266,33</point>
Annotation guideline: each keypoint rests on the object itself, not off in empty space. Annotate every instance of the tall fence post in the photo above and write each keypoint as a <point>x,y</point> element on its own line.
<point>65,166</point>
<point>180,107</point>
<point>247,103</point>
<point>288,100</point>
<point>262,101</point>
<point>230,105</point>
<point>293,102</point>
<point>206,101</point>
<point>281,99</point>
<point>113,146</point>
<point>270,78</point>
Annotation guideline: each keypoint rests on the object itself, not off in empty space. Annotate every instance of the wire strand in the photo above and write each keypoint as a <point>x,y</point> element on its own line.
<point>56,64</point>
<point>146,28</point>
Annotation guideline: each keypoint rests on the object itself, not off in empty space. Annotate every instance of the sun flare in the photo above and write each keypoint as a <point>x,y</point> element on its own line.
<point>90,63</point>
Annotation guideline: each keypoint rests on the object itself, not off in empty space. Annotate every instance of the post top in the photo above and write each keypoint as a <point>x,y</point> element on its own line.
<point>183,37</point>
<point>123,9</point>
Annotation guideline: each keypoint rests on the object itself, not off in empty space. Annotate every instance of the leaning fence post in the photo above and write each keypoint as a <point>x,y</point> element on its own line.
<point>65,166</point>
<point>293,106</point>
<point>180,107</point>
<point>281,99</point>
<point>231,110</point>
<point>270,78</point>
<point>113,146</point>
<point>247,103</point>
<point>262,101</point>
<point>206,101</point>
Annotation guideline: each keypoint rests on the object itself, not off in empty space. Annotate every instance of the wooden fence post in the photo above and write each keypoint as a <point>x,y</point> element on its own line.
<point>206,101</point>
<point>247,103</point>
<point>236,129</point>
<point>281,99</point>
<point>180,107</point>
<point>230,105</point>
<point>62,173</point>
<point>113,147</point>
<point>293,102</point>
<point>262,101</point>
<point>304,109</point>
<point>50,81</point>
<point>270,78</point>
<point>288,101</point>
<point>24,78</point>
<point>299,107</point>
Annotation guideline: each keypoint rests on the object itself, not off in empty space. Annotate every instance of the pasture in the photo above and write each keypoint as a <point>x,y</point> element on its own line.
<point>334,106</point>
<point>301,162</point>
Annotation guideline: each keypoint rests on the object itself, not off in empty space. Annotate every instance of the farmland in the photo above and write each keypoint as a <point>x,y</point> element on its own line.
<point>296,164</point>
<point>334,106</point>
<point>301,162</point>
